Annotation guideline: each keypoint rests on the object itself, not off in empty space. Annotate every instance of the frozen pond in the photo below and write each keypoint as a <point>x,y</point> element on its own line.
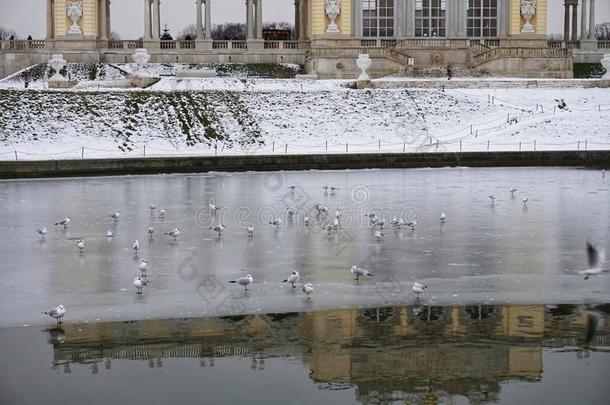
<point>517,354</point>
<point>484,254</point>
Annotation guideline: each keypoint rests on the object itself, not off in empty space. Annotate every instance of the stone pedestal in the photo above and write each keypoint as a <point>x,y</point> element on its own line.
<point>203,45</point>
<point>256,44</point>
<point>151,44</point>
<point>588,45</point>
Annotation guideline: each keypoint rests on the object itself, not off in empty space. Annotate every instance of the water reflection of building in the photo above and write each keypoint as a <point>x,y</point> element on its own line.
<point>387,353</point>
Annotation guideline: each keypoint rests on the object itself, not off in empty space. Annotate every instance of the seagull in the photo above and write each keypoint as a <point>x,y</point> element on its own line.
<point>323,209</point>
<point>525,200</point>
<point>325,187</point>
<point>419,288</point>
<point>373,220</point>
<point>151,232</point>
<point>290,212</point>
<point>596,257</point>
<point>443,217</point>
<point>358,271</point>
<point>412,224</point>
<point>335,224</point>
<point>115,215</point>
<point>379,235</point>
<point>58,312</point>
<point>81,245</point>
<point>492,198</point>
<point>292,187</point>
<point>152,207</point>
<point>293,278</point>
<point>306,220</point>
<point>276,223</point>
<point>250,230</point>
<point>307,289</point>
<point>380,223</point>
<point>42,232</point>
<point>603,173</point>
<point>245,281</point>
<point>162,213</point>
<point>143,266</point>
<point>513,191</point>
<point>213,207</point>
<point>333,189</point>
<point>338,213</point>
<point>218,228</point>
<point>140,283</point>
<point>397,222</point>
<point>109,234</point>
<point>328,228</point>
<point>64,222</point>
<point>174,234</point>
<point>135,245</point>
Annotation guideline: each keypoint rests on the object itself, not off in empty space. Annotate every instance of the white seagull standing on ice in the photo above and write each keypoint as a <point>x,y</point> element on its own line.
<point>162,213</point>
<point>213,207</point>
<point>276,223</point>
<point>513,191</point>
<point>443,217</point>
<point>292,278</point>
<point>109,233</point>
<point>412,224</point>
<point>135,246</point>
<point>359,271</point>
<point>58,312</point>
<point>379,235</point>
<point>81,245</point>
<point>250,230</point>
<point>419,288</point>
<point>115,215</point>
<point>596,257</point>
<point>143,266</point>
<point>174,234</point>
<point>245,281</point>
<point>140,283</point>
<point>152,207</point>
<point>151,232</point>
<point>307,289</point>
<point>64,222</point>
<point>218,228</point>
<point>525,200</point>
<point>42,232</point>
<point>306,221</point>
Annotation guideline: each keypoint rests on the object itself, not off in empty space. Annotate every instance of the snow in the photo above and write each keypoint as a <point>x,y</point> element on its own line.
<point>243,115</point>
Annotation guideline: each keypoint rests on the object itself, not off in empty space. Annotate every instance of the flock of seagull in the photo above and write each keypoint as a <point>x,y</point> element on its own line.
<point>595,254</point>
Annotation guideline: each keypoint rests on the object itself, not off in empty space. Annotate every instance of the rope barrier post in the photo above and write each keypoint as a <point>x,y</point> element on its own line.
<point>327,146</point>
<point>437,144</point>
<point>600,108</point>
<point>493,99</point>
<point>476,134</point>
<point>346,148</point>
<point>487,145</point>
<point>460,146</point>
<point>144,150</point>
<point>404,147</point>
<point>554,109</point>
<point>470,129</point>
<point>519,146</point>
<point>216,148</point>
<point>273,147</point>
<point>380,144</point>
<point>286,149</point>
<point>542,108</point>
<point>508,118</point>
<point>82,153</point>
<point>586,144</point>
<point>578,145</point>
<point>534,144</point>
<point>16,158</point>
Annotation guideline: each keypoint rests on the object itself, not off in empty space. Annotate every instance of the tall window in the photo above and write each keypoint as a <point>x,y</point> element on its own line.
<point>378,18</point>
<point>430,18</point>
<point>482,18</point>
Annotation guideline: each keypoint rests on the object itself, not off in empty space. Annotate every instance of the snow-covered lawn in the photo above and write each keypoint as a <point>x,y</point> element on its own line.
<point>236,115</point>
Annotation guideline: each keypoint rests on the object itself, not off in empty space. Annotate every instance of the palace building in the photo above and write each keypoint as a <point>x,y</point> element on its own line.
<point>404,37</point>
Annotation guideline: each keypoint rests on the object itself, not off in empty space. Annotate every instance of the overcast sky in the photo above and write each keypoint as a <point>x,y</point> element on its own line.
<point>27,17</point>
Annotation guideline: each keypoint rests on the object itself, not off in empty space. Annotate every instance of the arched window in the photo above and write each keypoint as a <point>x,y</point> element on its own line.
<point>378,18</point>
<point>482,18</point>
<point>430,18</point>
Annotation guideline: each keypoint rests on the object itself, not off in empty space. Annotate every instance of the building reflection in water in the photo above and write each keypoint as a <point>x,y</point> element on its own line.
<point>419,354</point>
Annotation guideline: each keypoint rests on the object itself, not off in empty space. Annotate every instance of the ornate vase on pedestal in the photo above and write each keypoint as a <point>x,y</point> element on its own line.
<point>606,64</point>
<point>363,63</point>
<point>75,12</point>
<point>528,10</point>
<point>333,10</point>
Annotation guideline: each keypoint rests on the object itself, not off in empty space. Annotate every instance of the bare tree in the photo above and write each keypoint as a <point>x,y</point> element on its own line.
<point>7,33</point>
<point>602,31</point>
<point>229,32</point>
<point>281,25</point>
<point>189,33</point>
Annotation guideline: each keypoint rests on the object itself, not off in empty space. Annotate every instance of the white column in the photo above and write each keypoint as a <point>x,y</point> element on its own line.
<point>157,15</point>
<point>208,19</point>
<point>249,20</point>
<point>199,25</point>
<point>297,20</point>
<point>147,32</point>
<point>460,23</point>
<point>410,27</point>
<point>592,20</point>
<point>259,19</point>
<point>103,24</point>
<point>583,20</point>
<point>50,19</point>
<point>303,7</point>
<point>108,20</point>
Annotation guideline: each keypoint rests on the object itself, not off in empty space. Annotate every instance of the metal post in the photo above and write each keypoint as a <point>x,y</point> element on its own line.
<point>586,144</point>
<point>273,147</point>
<point>346,148</point>
<point>82,153</point>
<point>404,147</point>
<point>286,150</point>
<point>16,158</point>
<point>327,146</point>
<point>460,146</point>
<point>578,145</point>
<point>487,145</point>
<point>380,144</point>
<point>519,146</point>
<point>534,145</point>
<point>144,150</point>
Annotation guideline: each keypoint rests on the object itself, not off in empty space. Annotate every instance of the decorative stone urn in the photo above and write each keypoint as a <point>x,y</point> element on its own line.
<point>75,12</point>
<point>333,10</point>
<point>364,63</point>
<point>141,58</point>
<point>528,11</point>
<point>57,62</point>
<point>606,64</point>
<point>140,77</point>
